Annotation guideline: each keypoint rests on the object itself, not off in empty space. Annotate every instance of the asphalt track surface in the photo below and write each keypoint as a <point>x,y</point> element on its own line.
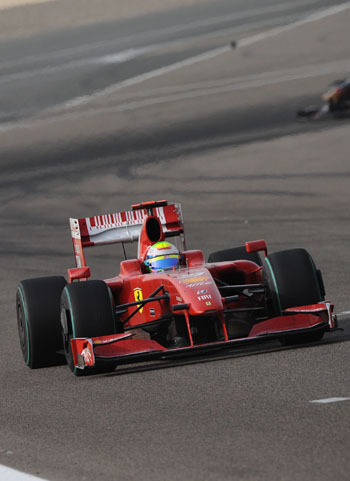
<point>41,71</point>
<point>219,136</point>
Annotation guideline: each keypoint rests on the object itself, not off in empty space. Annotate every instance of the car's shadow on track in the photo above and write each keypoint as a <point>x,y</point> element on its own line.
<point>263,347</point>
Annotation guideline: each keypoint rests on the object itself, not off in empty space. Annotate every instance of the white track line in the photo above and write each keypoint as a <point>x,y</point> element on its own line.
<point>311,70</point>
<point>198,58</point>
<point>120,57</point>
<point>169,94</point>
<point>344,313</point>
<point>330,400</point>
<point>83,100</point>
<point>175,29</point>
<point>193,90</point>
<point>224,86</point>
<point>277,31</point>
<point>9,474</point>
<point>7,4</point>
<point>79,101</point>
<point>166,95</point>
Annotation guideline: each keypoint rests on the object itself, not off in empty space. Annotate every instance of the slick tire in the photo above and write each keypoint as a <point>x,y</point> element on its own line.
<point>38,319</point>
<point>86,311</point>
<point>235,254</point>
<point>293,280</point>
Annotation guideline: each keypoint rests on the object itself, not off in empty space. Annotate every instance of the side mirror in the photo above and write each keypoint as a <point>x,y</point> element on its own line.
<point>256,246</point>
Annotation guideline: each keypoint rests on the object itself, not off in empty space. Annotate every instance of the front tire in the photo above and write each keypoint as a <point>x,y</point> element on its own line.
<point>293,280</point>
<point>38,319</point>
<point>86,311</point>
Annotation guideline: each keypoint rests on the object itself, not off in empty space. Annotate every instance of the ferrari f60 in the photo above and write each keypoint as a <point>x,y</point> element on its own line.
<point>240,295</point>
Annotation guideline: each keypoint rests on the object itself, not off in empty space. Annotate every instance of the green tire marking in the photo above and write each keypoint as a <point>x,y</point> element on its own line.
<point>274,283</point>
<point>71,311</point>
<point>26,324</point>
<point>72,319</point>
<point>316,278</point>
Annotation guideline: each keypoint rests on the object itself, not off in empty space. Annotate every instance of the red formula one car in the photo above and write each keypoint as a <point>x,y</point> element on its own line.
<point>167,301</point>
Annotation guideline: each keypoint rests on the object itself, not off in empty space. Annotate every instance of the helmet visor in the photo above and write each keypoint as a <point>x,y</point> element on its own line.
<point>162,263</point>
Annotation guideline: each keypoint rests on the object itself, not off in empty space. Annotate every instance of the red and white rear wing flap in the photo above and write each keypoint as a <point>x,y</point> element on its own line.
<point>121,227</point>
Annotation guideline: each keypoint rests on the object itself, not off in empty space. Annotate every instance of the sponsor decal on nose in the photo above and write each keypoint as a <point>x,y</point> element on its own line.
<point>204,297</point>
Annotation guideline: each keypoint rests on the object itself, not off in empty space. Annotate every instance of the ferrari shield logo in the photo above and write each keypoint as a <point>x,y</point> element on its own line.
<point>138,297</point>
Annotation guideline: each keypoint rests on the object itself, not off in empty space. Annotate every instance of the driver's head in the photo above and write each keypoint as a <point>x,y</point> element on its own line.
<point>162,256</point>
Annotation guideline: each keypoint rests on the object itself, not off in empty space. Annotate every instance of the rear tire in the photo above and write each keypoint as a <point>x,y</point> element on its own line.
<point>86,311</point>
<point>235,254</point>
<point>38,319</point>
<point>292,280</point>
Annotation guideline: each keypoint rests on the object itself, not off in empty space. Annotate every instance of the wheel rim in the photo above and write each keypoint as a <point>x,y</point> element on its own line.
<point>22,331</point>
<point>66,341</point>
<point>21,328</point>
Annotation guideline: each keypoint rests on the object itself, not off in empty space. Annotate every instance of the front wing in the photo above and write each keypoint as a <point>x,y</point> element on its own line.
<point>123,349</point>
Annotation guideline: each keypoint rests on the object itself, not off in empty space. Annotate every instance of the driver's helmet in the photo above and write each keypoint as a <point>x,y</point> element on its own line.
<point>162,256</point>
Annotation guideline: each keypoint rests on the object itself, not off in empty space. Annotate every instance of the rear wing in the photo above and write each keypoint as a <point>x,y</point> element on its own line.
<point>124,227</point>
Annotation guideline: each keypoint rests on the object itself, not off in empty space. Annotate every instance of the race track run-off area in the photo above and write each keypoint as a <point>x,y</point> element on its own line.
<point>195,105</point>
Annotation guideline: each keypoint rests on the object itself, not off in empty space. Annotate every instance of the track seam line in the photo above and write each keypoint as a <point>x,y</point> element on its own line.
<point>201,57</point>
